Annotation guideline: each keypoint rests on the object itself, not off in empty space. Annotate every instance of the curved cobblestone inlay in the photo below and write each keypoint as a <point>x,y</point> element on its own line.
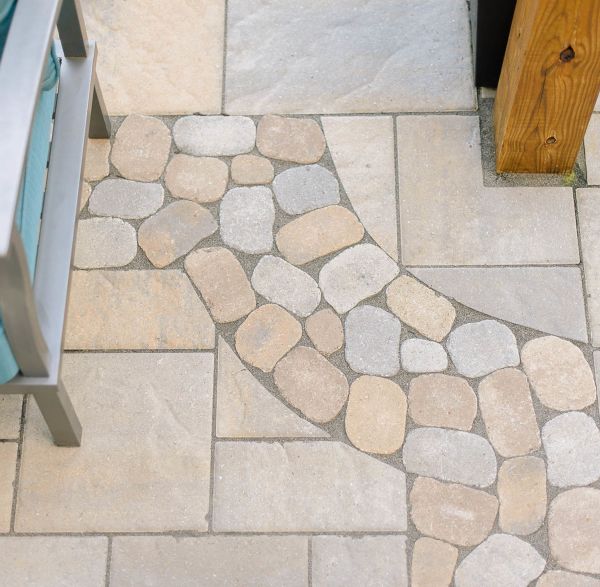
<point>495,425</point>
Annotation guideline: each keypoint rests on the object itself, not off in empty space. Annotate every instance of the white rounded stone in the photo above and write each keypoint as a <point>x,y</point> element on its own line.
<point>125,198</point>
<point>104,242</point>
<point>423,356</point>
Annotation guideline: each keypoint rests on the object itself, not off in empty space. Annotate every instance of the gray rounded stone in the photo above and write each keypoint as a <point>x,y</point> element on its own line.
<point>125,198</point>
<point>247,216</point>
<point>478,348</point>
<point>423,356</point>
<point>373,341</point>
<point>104,242</point>
<point>301,189</point>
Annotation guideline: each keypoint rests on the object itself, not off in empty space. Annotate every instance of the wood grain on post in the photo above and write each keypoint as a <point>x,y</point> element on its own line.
<point>548,86</point>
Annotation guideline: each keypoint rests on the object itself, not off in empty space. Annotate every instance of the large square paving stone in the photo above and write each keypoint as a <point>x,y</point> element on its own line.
<point>144,464</point>
<point>8,465</point>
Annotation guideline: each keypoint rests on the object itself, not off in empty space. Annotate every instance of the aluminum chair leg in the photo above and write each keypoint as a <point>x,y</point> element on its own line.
<point>60,416</point>
<point>99,120</point>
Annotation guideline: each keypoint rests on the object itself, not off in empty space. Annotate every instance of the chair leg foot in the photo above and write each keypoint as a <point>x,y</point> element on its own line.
<point>99,120</point>
<point>60,416</point>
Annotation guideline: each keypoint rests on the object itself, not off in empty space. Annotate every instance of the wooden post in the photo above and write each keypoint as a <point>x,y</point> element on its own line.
<point>548,86</point>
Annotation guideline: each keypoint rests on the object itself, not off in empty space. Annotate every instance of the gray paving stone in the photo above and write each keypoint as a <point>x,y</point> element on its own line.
<point>53,561</point>
<point>365,561</point>
<point>306,188</point>
<point>214,135</point>
<point>355,275</point>
<point>281,283</point>
<point>10,416</point>
<point>8,467</point>
<point>530,296</point>
<point>450,455</point>
<point>373,341</point>
<point>478,348</point>
<point>566,579</point>
<point>305,487</point>
<point>592,150</point>
<point>126,199</point>
<point>247,216</point>
<point>572,445</point>
<point>423,356</point>
<point>144,464</point>
<point>212,561</point>
<point>353,57</point>
<point>104,242</point>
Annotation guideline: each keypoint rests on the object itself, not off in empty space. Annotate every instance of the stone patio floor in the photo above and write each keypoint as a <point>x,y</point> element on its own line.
<point>313,339</point>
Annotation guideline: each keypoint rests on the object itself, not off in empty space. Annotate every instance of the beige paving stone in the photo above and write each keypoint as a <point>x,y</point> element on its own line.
<point>175,231</point>
<point>8,465</point>
<point>592,150</point>
<point>433,563</point>
<point>266,335</point>
<point>558,373</point>
<point>566,579</point>
<point>251,170</point>
<point>128,310</point>
<point>325,330</point>
<point>212,561</point>
<point>362,148</point>
<point>299,140</point>
<point>318,233</point>
<point>507,411</point>
<point>144,463</point>
<point>522,494</point>
<point>86,192</point>
<point>310,383</point>
<point>245,409</point>
<point>454,513</point>
<point>185,78</point>
<point>443,401</point>
<point>376,415</point>
<point>318,486</point>
<point>96,159</point>
<point>420,307</point>
<point>362,561</point>
<point>423,356</point>
<point>201,179</point>
<point>10,416</point>
<point>573,530</point>
<point>223,283</point>
<point>104,242</point>
<point>141,148</point>
<point>53,561</point>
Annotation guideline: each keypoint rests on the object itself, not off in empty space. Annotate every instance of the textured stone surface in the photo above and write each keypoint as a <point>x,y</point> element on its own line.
<point>325,330</point>
<point>354,275</point>
<point>376,415</point>
<point>478,348</point>
<point>214,135</point>
<point>306,188</point>
<point>267,334</point>
<point>201,179</point>
<point>10,416</point>
<point>251,170</point>
<point>299,140</point>
<point>361,68</point>
<point>572,445</point>
<point>443,401</point>
<point>522,494</point>
<point>362,148</point>
<point>558,373</point>
<point>222,282</point>
<point>311,384</point>
<point>318,233</point>
<point>507,411</point>
<point>453,513</point>
<point>247,216</point>
<point>41,561</point>
<point>566,579</point>
<point>420,307</point>
<point>592,150</point>
<point>305,486</point>
<point>141,148</point>
<point>122,310</point>
<point>450,455</point>
<point>8,466</point>
<point>104,242</point>
<point>372,341</point>
<point>423,356</point>
<point>281,283</point>
<point>126,199</point>
<point>96,159</point>
<point>362,561</point>
<point>86,192</point>
<point>245,409</point>
<point>175,231</point>
<point>573,530</point>
<point>530,296</point>
<point>433,563</point>
<point>186,78</point>
<point>212,561</point>
<point>500,561</point>
<point>158,406</point>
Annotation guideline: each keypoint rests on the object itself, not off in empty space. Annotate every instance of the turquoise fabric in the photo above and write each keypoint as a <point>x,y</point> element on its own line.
<point>29,210</point>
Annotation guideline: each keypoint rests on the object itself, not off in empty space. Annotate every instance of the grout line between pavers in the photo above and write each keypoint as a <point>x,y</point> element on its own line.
<point>13,512</point>
<point>201,534</point>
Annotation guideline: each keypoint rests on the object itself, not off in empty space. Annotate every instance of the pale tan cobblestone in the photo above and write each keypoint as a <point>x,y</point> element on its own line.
<point>325,330</point>
<point>86,192</point>
<point>251,170</point>
<point>200,179</point>
<point>433,563</point>
<point>96,159</point>
<point>566,579</point>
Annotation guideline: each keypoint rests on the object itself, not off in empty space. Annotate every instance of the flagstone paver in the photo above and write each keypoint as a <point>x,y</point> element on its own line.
<point>126,199</point>
<point>201,179</point>
<point>11,407</point>
<point>433,563</point>
<point>96,159</point>
<point>251,170</point>
<point>423,356</point>
<point>104,242</point>
<point>8,466</point>
<point>325,330</point>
